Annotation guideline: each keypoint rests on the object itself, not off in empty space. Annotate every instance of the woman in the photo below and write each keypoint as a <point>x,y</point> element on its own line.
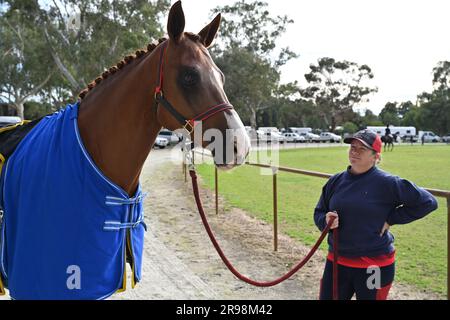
<point>366,201</point>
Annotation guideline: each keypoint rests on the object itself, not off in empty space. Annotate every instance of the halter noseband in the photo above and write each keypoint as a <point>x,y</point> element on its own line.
<point>187,124</point>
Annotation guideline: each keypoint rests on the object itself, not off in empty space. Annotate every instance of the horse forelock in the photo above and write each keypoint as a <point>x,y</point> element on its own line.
<point>193,36</point>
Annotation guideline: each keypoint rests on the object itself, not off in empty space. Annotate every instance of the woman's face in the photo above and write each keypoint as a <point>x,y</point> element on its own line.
<point>360,156</point>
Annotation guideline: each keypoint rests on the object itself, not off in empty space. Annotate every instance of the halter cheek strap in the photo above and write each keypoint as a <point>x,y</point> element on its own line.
<point>188,124</point>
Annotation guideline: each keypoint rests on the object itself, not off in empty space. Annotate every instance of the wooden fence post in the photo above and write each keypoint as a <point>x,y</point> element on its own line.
<point>216,179</point>
<point>448,246</point>
<point>275,209</point>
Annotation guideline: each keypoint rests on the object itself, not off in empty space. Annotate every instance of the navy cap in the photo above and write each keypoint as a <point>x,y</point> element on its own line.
<point>368,138</point>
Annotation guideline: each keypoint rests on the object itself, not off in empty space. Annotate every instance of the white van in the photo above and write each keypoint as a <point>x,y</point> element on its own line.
<point>330,137</point>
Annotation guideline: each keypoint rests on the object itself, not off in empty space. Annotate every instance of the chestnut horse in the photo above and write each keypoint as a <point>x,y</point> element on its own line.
<point>120,140</point>
<point>77,171</point>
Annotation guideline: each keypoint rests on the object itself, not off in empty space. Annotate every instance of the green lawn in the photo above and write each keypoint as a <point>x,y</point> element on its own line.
<point>421,246</point>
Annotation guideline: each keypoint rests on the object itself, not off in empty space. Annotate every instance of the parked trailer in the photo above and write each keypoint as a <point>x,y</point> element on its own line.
<point>405,133</point>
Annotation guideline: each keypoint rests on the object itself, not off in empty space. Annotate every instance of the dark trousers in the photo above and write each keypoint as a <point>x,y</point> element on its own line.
<point>367,284</point>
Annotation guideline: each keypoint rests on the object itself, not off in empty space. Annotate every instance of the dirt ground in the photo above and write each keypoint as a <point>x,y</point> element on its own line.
<point>181,263</point>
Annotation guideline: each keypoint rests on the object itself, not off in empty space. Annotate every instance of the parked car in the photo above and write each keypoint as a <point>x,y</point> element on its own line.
<point>329,137</point>
<point>273,137</point>
<point>161,142</point>
<point>169,135</point>
<point>293,137</point>
<point>298,130</point>
<point>428,136</point>
<point>446,138</point>
<point>409,139</point>
<point>7,121</point>
<point>310,137</point>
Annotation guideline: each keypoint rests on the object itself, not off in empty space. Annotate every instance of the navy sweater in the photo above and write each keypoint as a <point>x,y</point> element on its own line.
<point>364,203</point>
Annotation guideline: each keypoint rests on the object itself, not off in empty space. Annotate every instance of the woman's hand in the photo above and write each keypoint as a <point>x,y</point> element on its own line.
<point>335,223</point>
<point>385,228</point>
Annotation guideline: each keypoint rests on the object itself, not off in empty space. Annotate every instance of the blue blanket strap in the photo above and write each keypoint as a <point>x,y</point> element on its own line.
<point>114,201</point>
<point>118,225</point>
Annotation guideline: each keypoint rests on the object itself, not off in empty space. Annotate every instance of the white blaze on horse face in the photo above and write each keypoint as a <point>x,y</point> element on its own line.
<point>230,147</point>
<point>237,141</point>
<point>237,137</point>
<point>217,75</point>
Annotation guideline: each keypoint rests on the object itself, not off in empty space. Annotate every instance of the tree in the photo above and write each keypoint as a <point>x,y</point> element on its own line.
<point>411,117</point>
<point>389,114</point>
<point>245,52</point>
<point>85,37</point>
<point>250,26</point>
<point>336,87</point>
<point>294,113</point>
<point>25,67</point>
<point>441,77</point>
<point>433,111</point>
<point>54,48</point>
<point>403,108</point>
<point>435,115</point>
<point>350,127</point>
<point>35,110</point>
<point>250,82</point>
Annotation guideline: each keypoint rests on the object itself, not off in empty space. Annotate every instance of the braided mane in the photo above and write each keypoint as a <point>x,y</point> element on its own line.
<point>112,70</point>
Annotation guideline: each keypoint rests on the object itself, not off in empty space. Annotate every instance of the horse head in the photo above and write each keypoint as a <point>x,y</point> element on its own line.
<point>190,93</point>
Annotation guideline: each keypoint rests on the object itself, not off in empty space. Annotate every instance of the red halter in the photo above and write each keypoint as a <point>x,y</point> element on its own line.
<point>187,124</point>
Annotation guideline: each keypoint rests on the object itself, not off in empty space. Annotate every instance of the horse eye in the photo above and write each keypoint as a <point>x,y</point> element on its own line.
<point>190,79</point>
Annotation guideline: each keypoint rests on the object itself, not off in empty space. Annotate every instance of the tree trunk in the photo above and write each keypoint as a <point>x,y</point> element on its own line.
<point>303,122</point>
<point>333,122</point>
<point>19,102</point>
<point>19,106</point>
<point>74,84</point>
<point>253,118</point>
<point>325,119</point>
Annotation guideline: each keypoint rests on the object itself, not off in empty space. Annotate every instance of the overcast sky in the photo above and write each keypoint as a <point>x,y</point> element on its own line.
<point>400,40</point>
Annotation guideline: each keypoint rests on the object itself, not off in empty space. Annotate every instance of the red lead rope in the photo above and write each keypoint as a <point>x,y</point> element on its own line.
<point>287,275</point>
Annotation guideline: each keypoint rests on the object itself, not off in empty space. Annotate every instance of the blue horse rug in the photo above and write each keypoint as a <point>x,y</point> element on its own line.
<point>67,230</point>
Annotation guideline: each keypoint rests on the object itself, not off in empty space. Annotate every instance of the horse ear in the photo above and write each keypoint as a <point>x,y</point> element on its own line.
<point>175,24</point>
<point>209,32</point>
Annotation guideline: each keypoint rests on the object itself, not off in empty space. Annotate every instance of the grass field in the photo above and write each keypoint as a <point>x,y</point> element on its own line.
<point>421,246</point>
